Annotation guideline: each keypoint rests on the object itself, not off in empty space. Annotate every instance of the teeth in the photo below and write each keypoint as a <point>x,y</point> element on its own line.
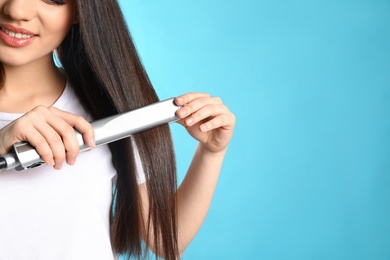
<point>16,35</point>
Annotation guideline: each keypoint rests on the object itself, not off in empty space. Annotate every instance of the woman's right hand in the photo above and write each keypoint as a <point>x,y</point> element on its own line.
<point>50,131</point>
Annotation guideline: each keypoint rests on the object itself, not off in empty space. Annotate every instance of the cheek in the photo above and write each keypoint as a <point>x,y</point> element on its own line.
<point>56,27</point>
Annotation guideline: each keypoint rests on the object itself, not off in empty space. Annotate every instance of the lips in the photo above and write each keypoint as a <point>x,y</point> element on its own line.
<point>16,37</point>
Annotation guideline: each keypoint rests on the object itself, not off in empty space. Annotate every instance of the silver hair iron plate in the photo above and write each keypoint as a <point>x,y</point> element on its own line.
<point>107,130</point>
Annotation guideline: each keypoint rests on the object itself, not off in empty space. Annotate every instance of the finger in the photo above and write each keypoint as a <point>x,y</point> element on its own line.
<point>41,146</point>
<point>181,122</point>
<point>197,104</point>
<point>207,111</point>
<point>59,134</point>
<point>54,139</point>
<point>225,121</point>
<point>187,98</point>
<point>78,122</point>
<point>71,145</point>
<point>50,127</point>
<point>26,131</point>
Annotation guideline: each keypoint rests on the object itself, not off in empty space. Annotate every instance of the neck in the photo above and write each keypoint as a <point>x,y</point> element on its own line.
<point>28,86</point>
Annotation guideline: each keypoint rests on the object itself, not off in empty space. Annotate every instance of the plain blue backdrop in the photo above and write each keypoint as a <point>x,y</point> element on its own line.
<point>307,175</point>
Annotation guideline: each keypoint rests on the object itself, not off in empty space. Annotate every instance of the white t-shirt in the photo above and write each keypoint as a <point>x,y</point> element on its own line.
<point>51,214</point>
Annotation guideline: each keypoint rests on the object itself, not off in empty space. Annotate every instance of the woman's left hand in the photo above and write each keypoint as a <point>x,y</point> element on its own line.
<point>207,120</point>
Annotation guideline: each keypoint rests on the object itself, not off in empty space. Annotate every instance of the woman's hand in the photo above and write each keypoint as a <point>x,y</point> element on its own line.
<point>51,132</point>
<point>207,120</point>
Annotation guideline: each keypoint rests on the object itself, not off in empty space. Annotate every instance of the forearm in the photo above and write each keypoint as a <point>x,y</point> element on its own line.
<point>195,193</point>
<point>211,123</point>
<point>194,197</point>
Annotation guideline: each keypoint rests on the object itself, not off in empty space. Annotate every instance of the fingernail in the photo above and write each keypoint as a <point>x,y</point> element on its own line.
<point>203,128</point>
<point>182,112</point>
<point>51,162</point>
<point>72,161</point>
<point>93,143</point>
<point>178,101</point>
<point>189,121</point>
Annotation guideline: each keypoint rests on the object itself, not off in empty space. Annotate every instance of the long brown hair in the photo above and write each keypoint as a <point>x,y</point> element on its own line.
<point>103,66</point>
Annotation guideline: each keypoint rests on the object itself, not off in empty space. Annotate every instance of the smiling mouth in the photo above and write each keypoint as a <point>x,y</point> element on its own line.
<point>16,35</point>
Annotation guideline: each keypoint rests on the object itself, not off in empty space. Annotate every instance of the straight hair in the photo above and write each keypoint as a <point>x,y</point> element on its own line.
<point>102,64</point>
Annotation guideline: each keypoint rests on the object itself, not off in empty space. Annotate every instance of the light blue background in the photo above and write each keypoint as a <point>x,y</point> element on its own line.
<point>307,175</point>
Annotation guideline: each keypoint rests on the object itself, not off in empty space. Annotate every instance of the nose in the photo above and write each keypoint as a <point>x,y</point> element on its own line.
<point>20,10</point>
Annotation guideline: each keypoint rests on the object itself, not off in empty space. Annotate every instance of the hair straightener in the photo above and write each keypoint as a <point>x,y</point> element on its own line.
<point>107,130</point>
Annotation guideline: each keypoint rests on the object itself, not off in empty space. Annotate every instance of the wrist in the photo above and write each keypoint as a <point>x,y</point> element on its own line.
<point>212,154</point>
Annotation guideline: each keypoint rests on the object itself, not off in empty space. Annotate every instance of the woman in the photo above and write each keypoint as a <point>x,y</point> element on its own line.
<point>68,210</point>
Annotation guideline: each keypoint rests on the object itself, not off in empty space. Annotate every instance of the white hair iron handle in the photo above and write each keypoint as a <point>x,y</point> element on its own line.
<point>107,130</point>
